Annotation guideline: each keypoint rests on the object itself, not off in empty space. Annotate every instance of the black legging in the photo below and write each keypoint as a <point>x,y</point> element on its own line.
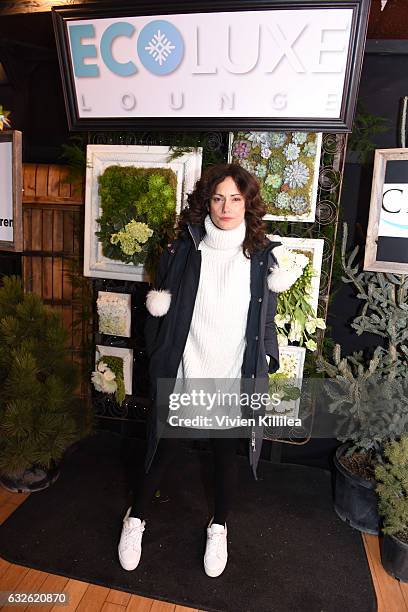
<point>225,475</point>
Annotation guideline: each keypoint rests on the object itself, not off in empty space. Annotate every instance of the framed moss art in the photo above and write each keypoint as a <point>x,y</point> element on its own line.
<point>133,196</point>
<point>125,355</point>
<point>287,167</point>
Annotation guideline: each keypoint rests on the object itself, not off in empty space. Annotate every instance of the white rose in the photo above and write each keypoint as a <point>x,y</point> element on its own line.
<point>283,256</point>
<point>301,260</point>
<point>102,366</point>
<point>97,380</point>
<point>109,386</point>
<point>109,375</point>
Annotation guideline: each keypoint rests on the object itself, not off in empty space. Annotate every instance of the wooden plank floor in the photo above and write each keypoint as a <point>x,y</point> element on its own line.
<point>392,596</point>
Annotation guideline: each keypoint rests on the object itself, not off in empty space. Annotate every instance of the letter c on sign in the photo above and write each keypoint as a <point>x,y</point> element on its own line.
<point>114,31</point>
<point>390,198</point>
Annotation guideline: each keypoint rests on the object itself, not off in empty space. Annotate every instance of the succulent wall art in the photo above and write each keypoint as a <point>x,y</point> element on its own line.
<point>286,165</point>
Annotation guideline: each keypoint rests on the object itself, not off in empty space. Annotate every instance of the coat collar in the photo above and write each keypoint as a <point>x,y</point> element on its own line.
<point>278,279</point>
<point>196,233</point>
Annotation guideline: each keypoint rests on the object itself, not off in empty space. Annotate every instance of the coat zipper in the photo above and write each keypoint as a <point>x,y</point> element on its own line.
<point>191,234</point>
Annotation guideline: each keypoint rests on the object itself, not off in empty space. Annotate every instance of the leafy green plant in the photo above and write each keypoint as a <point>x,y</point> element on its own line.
<point>74,155</point>
<point>392,488</point>
<point>295,319</point>
<point>365,127</point>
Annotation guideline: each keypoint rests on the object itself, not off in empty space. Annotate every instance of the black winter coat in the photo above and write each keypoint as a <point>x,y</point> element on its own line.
<point>170,308</point>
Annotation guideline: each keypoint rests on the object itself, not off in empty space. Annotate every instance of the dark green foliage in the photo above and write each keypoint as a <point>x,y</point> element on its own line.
<point>365,127</point>
<point>392,489</point>
<point>37,383</point>
<point>146,195</point>
<point>368,390</point>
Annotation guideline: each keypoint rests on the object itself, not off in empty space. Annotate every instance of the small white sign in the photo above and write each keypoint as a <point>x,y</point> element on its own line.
<point>6,191</point>
<point>394,210</point>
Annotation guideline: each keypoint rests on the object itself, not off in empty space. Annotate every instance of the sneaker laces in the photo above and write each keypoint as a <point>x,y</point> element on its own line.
<point>130,531</point>
<point>214,541</point>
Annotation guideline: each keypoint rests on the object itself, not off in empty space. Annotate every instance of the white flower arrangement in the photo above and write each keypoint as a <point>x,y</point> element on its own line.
<point>103,379</point>
<point>114,313</point>
<point>295,319</point>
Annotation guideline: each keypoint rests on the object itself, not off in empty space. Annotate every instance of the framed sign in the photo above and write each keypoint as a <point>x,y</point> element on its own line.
<point>247,65</point>
<point>11,219</point>
<point>387,234</point>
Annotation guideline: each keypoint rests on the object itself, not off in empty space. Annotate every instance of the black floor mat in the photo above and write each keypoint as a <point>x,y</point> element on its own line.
<point>288,550</point>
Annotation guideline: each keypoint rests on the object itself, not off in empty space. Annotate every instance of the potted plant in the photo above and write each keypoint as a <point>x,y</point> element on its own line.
<point>366,392</point>
<point>392,489</point>
<point>40,417</point>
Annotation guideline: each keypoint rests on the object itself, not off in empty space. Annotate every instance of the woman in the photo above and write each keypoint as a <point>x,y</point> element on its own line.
<point>210,315</point>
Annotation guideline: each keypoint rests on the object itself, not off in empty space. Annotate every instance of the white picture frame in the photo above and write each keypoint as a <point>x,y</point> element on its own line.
<point>313,246</point>
<point>126,354</point>
<point>187,168</point>
<point>250,165</point>
<point>126,300</point>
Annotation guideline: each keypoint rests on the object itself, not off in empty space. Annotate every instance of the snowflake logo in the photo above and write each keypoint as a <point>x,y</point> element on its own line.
<point>160,47</point>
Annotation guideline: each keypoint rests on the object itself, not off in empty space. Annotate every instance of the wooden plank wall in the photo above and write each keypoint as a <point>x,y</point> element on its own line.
<point>53,221</point>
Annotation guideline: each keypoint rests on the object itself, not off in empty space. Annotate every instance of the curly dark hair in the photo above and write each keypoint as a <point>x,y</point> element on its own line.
<point>199,202</point>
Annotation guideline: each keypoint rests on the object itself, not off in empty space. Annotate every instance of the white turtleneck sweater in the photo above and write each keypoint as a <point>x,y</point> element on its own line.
<point>216,341</point>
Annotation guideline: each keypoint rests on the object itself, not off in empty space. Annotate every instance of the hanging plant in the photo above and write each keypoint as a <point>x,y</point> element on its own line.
<point>108,377</point>
<point>138,212</point>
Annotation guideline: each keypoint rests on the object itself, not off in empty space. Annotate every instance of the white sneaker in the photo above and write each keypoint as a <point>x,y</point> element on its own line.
<point>130,544</point>
<point>216,554</point>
